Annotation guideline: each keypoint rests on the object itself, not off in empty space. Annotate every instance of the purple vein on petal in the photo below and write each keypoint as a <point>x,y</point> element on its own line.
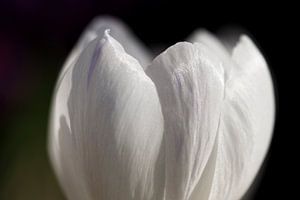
<point>94,61</point>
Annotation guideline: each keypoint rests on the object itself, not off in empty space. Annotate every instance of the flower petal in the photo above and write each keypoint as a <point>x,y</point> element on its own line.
<point>109,146</point>
<point>246,123</point>
<point>189,81</point>
<point>119,31</point>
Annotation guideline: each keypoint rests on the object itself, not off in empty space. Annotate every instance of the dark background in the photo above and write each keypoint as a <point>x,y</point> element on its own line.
<point>36,37</point>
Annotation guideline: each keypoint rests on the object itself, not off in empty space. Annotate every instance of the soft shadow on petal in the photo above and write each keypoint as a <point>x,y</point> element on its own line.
<point>69,169</point>
<point>217,47</point>
<point>203,187</point>
<point>189,80</point>
<point>59,109</point>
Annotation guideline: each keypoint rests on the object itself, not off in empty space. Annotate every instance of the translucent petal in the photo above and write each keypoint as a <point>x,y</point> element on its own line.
<point>108,146</point>
<point>246,123</point>
<point>189,81</point>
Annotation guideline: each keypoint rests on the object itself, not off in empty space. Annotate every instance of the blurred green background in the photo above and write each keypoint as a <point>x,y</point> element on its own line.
<point>25,171</point>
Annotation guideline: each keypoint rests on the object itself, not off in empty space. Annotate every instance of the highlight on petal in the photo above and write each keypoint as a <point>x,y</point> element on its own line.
<point>189,81</point>
<point>246,123</point>
<point>107,127</point>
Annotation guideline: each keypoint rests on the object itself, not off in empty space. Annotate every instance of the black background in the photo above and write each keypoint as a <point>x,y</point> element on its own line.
<point>36,37</point>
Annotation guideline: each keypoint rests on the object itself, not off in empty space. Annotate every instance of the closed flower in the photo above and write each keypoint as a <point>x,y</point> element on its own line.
<point>195,123</point>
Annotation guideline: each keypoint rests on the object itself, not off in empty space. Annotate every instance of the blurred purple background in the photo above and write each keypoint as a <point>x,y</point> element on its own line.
<point>36,36</point>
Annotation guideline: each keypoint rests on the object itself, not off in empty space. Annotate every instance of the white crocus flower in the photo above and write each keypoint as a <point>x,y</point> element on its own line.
<point>193,124</point>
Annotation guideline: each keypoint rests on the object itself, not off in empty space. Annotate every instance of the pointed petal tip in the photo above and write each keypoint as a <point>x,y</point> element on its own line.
<point>107,32</point>
<point>123,34</point>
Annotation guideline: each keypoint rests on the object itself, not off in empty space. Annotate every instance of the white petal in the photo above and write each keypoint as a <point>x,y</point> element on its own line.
<point>246,123</point>
<point>189,81</point>
<point>109,145</point>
